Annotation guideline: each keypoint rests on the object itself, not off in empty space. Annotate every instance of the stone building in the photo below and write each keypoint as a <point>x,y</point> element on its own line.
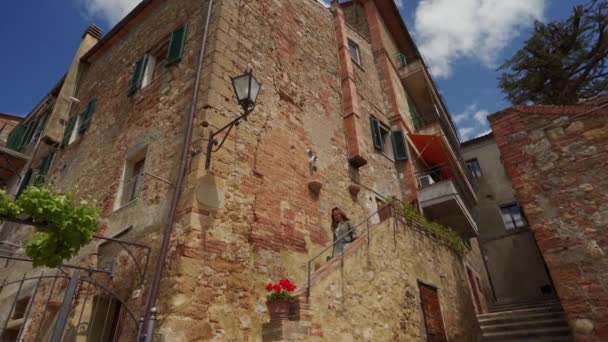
<point>556,159</point>
<point>348,116</point>
<point>515,267</point>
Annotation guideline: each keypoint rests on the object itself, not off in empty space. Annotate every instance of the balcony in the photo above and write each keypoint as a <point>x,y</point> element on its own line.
<point>442,199</point>
<point>417,83</point>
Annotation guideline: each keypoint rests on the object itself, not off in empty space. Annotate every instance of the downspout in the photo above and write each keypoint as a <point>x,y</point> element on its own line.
<point>153,295</point>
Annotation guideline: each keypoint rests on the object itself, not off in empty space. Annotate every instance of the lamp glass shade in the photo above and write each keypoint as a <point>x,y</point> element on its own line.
<point>254,89</point>
<point>241,87</point>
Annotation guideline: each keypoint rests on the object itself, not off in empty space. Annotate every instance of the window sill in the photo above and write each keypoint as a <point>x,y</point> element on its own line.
<point>387,156</point>
<point>358,64</point>
<point>126,205</point>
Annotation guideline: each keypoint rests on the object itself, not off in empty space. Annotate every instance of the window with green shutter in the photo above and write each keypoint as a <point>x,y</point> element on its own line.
<point>44,169</point>
<point>86,116</point>
<point>417,121</point>
<point>138,75</point>
<point>15,136</point>
<point>67,133</point>
<point>399,145</point>
<point>376,134</point>
<point>176,45</point>
<point>29,133</point>
<point>41,123</point>
<point>24,182</point>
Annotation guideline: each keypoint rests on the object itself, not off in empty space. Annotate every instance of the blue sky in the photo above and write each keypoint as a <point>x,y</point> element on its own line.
<point>463,41</point>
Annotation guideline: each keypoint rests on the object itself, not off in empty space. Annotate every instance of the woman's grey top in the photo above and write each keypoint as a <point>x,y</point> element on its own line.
<point>343,237</point>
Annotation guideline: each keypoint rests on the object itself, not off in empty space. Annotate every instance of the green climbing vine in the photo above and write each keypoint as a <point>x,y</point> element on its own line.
<point>62,227</point>
<point>443,233</point>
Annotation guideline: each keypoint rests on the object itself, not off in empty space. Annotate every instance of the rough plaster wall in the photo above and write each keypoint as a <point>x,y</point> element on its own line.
<point>375,296</point>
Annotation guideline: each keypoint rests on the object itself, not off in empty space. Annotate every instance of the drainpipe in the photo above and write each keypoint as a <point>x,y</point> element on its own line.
<point>148,326</point>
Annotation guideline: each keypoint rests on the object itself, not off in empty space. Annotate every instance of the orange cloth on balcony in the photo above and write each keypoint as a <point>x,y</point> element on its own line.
<point>433,151</point>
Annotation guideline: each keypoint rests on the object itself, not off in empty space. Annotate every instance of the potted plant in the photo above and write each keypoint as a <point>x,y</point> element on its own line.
<point>279,299</point>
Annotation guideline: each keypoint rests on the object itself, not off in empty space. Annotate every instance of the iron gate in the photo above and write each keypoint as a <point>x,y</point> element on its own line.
<point>64,308</point>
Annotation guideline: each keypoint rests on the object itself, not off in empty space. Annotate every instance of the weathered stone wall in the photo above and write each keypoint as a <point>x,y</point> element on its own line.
<point>375,296</point>
<point>556,157</point>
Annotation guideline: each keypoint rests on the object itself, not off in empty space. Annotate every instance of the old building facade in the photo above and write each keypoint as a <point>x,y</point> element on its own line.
<point>555,157</point>
<point>514,264</point>
<point>342,83</point>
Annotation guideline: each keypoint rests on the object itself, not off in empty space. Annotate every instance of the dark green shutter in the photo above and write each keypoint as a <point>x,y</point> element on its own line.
<point>87,115</point>
<point>67,133</point>
<point>14,137</point>
<point>24,182</point>
<point>176,45</point>
<point>376,135</point>
<point>44,169</point>
<point>399,146</point>
<point>29,133</point>
<point>41,123</point>
<point>401,59</point>
<point>416,119</point>
<point>138,75</point>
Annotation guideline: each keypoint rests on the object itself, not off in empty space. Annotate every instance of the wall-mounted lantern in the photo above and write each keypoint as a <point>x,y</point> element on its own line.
<point>246,88</point>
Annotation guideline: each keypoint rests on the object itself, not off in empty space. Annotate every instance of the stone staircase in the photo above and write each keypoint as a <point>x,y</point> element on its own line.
<point>525,320</point>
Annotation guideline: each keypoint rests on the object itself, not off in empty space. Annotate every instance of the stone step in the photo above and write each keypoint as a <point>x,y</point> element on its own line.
<point>551,308</point>
<point>528,324</point>
<point>539,316</point>
<point>536,333</point>
<point>503,307</point>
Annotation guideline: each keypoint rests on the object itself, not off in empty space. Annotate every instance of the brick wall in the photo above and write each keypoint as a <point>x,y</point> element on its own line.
<point>556,157</point>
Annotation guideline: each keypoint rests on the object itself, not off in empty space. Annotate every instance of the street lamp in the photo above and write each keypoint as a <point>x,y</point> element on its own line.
<point>246,88</point>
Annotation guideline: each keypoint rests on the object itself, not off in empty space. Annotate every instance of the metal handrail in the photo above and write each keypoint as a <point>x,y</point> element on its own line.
<point>353,229</point>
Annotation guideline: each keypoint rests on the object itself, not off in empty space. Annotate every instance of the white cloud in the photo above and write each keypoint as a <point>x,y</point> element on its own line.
<point>480,116</point>
<point>473,29</point>
<point>400,3</point>
<point>110,10</point>
<point>465,133</point>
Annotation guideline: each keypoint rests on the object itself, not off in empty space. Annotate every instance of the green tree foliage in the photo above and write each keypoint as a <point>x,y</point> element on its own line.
<point>62,227</point>
<point>563,62</point>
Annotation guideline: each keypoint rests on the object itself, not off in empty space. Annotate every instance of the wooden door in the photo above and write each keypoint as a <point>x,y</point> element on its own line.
<point>431,311</point>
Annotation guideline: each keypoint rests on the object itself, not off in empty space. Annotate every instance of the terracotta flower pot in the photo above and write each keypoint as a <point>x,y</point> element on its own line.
<point>278,309</point>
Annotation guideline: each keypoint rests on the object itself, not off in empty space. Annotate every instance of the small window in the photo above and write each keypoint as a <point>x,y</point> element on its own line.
<point>383,213</point>
<point>20,308</point>
<point>156,63</point>
<point>381,136</point>
<point>474,168</point>
<point>355,55</point>
<point>512,216</point>
<point>135,180</point>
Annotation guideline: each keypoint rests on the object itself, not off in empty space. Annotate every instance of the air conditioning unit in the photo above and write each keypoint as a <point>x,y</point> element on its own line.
<point>425,181</point>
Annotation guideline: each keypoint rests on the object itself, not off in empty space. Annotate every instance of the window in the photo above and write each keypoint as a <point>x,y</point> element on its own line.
<point>390,143</point>
<point>132,179</point>
<point>77,125</point>
<point>20,308</point>
<point>417,120</point>
<point>383,213</point>
<point>512,216</point>
<point>43,170</point>
<point>474,168</point>
<point>355,55</point>
<point>151,65</point>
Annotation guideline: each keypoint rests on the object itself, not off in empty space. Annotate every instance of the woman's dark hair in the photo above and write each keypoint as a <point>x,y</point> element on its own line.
<point>334,224</point>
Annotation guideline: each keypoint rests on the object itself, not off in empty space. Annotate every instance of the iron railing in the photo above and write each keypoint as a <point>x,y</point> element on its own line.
<point>386,206</point>
<point>444,172</point>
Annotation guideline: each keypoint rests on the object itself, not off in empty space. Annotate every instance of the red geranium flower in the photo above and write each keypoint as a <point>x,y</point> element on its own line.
<point>269,287</point>
<point>276,287</point>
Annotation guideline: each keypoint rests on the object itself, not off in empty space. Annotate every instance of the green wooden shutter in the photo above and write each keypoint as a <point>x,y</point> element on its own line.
<point>29,133</point>
<point>87,115</point>
<point>41,123</point>
<point>401,59</point>
<point>14,137</point>
<point>24,182</point>
<point>416,119</point>
<point>138,75</point>
<point>176,45</point>
<point>399,146</point>
<point>376,135</point>
<point>44,169</point>
<point>67,133</point>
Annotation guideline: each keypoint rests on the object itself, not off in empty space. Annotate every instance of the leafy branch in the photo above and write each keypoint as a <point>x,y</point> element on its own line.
<point>62,227</point>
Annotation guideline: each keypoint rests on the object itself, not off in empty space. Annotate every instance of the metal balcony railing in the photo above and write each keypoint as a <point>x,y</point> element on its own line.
<point>427,178</point>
